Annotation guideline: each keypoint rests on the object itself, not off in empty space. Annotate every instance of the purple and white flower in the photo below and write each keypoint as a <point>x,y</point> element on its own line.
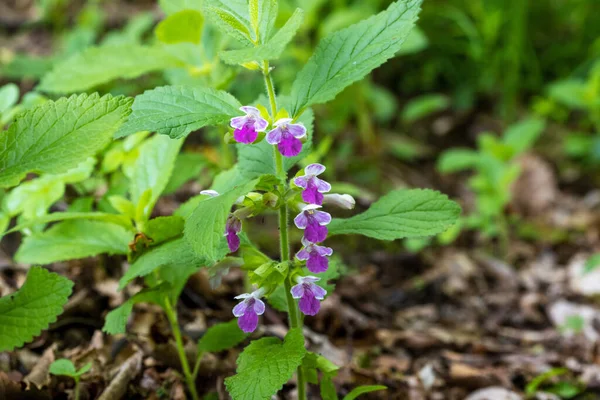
<point>313,186</point>
<point>247,126</point>
<point>315,256</point>
<point>313,222</point>
<point>287,137</point>
<point>344,201</point>
<point>248,310</point>
<point>310,295</point>
<point>211,193</point>
<point>232,228</point>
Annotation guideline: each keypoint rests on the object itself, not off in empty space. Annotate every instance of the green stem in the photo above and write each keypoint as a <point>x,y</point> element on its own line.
<point>172,317</point>
<point>77,388</point>
<point>197,366</point>
<point>295,319</point>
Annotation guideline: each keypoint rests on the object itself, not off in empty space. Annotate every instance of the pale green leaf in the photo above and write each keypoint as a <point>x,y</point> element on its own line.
<point>231,16</point>
<point>457,159</point>
<point>272,49</point>
<point>9,96</point>
<point>74,239</point>
<point>98,65</point>
<point>401,214</point>
<point>25,313</point>
<point>265,366</point>
<point>178,110</point>
<point>522,135</point>
<point>152,169</point>
<point>424,106</point>
<point>58,135</point>
<point>187,167</point>
<point>362,390</point>
<point>174,6</point>
<point>175,254</point>
<point>65,216</point>
<point>223,336</point>
<point>116,320</point>
<point>183,26</point>
<point>205,228</point>
<point>267,15</point>
<point>161,229</point>
<point>348,55</point>
<point>65,367</point>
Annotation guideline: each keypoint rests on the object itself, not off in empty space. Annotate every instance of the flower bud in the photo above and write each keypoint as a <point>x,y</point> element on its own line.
<point>344,201</point>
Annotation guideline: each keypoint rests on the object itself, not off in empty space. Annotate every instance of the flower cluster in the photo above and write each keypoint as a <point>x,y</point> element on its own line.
<point>285,134</point>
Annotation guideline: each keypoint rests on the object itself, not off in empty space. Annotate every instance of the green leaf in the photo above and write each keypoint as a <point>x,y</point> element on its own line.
<point>327,389</point>
<point>65,367</point>
<point>362,390</point>
<point>205,228</point>
<point>175,254</point>
<point>265,366</point>
<point>255,160</point>
<point>187,167</point>
<point>183,26</point>
<point>401,214</point>
<point>74,239</point>
<point>98,65</point>
<point>272,49</point>
<point>116,320</point>
<point>592,263</point>
<point>231,17</point>
<point>66,216</point>
<point>174,6</point>
<point>522,135</point>
<point>424,106</point>
<point>267,15</point>
<point>9,96</point>
<point>178,110</point>
<point>152,169</point>
<point>221,337</point>
<point>162,229</point>
<point>37,304</point>
<point>348,55</point>
<point>58,135</point>
<point>455,160</point>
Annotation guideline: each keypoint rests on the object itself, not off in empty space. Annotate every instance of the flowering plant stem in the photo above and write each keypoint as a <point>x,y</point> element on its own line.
<point>295,319</point>
<point>189,377</point>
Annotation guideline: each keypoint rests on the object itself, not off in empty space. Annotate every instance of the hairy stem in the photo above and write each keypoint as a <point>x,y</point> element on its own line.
<point>189,378</point>
<point>295,319</point>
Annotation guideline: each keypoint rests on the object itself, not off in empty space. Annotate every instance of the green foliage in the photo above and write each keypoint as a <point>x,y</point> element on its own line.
<point>592,263</point>
<point>272,49</point>
<point>161,229</point>
<point>362,390</point>
<point>65,367</point>
<point>401,214</point>
<point>424,106</point>
<point>37,304</point>
<point>565,389</point>
<point>231,16</point>
<point>178,110</point>
<point>183,26</point>
<point>174,6</point>
<point>116,320</point>
<point>265,365</point>
<point>205,228</point>
<point>348,55</point>
<point>58,135</point>
<point>98,65</point>
<point>221,337</point>
<point>9,96</point>
<point>74,239</point>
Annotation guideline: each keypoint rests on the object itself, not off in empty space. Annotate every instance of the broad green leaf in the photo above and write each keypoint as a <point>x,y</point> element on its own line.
<point>455,160</point>
<point>272,49</point>
<point>9,96</point>
<point>362,390</point>
<point>116,320</point>
<point>348,55</point>
<point>415,42</point>
<point>37,304</point>
<point>570,92</point>
<point>174,6</point>
<point>424,106</point>
<point>187,167</point>
<point>74,239</point>
<point>178,110</point>
<point>161,229</point>
<point>152,169</point>
<point>66,216</point>
<point>401,214</point>
<point>98,65</point>
<point>258,159</point>
<point>65,367</point>
<point>267,15</point>
<point>175,254</point>
<point>522,135</point>
<point>183,26</point>
<point>223,336</point>
<point>265,366</point>
<point>231,16</point>
<point>205,228</point>
<point>58,135</point>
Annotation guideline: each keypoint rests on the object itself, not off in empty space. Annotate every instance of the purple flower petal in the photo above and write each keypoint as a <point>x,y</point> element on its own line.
<point>297,291</point>
<point>311,193</point>
<point>308,304</point>
<point>301,221</point>
<point>274,136</point>
<point>249,321</point>
<point>250,110</point>
<point>261,124</point>
<point>318,291</point>
<point>323,251</point>
<point>259,307</point>
<point>317,263</point>
<point>296,130</point>
<point>301,181</point>
<point>314,169</point>
<point>315,233</point>
<point>247,134</point>
<point>289,146</point>
<point>321,185</point>
<point>233,241</point>
<point>240,309</point>
<point>303,255</point>
<point>322,217</point>
<point>238,122</point>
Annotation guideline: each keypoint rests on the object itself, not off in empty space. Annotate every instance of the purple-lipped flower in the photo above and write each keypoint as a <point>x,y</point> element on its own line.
<point>248,310</point>
<point>313,186</point>
<point>232,228</point>
<point>287,137</point>
<point>309,293</point>
<point>315,256</point>
<point>247,126</point>
<point>313,222</point>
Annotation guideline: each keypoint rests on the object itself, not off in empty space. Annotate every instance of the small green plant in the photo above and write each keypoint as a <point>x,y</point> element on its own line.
<point>65,367</point>
<point>546,382</point>
<point>496,169</point>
